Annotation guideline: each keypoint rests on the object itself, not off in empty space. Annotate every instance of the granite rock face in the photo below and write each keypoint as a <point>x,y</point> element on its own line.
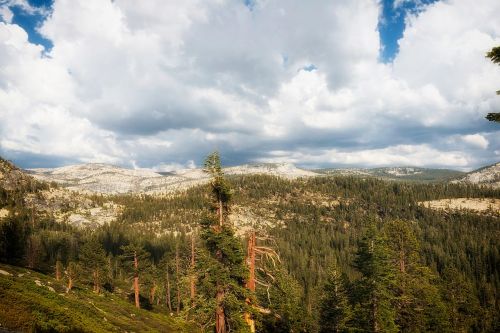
<point>488,176</point>
<point>109,179</point>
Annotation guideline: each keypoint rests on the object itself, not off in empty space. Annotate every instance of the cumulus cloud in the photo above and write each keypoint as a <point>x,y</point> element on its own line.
<point>161,83</point>
<point>476,140</point>
<point>402,155</point>
<point>6,14</point>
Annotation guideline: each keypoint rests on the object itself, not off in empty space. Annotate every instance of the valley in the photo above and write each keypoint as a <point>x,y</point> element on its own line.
<point>305,223</point>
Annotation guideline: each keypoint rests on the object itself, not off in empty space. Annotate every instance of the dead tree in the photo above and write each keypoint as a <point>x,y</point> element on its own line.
<point>177,282</point>
<point>169,299</point>
<point>136,281</point>
<point>250,284</point>
<point>192,277</point>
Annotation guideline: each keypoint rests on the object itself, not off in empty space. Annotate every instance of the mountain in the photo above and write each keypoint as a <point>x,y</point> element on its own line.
<point>304,222</point>
<point>489,176</point>
<point>110,179</point>
<point>398,173</point>
<point>285,170</point>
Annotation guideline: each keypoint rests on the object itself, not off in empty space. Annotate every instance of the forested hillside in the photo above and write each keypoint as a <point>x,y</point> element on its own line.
<point>329,254</point>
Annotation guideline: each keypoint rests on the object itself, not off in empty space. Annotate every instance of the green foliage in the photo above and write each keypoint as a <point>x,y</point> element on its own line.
<point>335,310</point>
<point>492,116</point>
<point>460,299</point>
<point>14,232</point>
<point>417,299</point>
<point>494,55</point>
<point>221,267</point>
<point>220,188</point>
<point>28,307</point>
<point>94,263</point>
<point>374,309</point>
<point>135,250</point>
<point>316,222</point>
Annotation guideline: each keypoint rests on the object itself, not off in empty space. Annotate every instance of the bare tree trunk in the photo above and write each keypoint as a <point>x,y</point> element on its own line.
<point>402,265</point>
<point>97,283</point>
<point>375,326</point>
<point>177,278</point>
<point>192,278</point>
<point>169,300</point>
<point>152,293</point>
<point>32,252</point>
<point>33,215</point>
<point>251,277</point>
<point>251,261</point>
<point>32,205</point>
<point>70,283</point>
<point>136,281</point>
<point>220,318</point>
<point>221,218</point>
<point>58,270</point>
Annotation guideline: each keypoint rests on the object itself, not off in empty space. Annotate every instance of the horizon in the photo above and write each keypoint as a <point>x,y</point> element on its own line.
<point>194,167</point>
<point>342,84</point>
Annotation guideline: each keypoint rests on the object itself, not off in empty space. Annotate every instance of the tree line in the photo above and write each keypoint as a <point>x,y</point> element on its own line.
<point>374,261</point>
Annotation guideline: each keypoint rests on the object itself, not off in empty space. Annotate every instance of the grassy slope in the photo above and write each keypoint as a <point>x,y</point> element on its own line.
<point>26,306</point>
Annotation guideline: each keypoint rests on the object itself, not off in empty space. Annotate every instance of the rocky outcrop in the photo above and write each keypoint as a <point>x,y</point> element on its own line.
<point>104,178</point>
<point>488,176</point>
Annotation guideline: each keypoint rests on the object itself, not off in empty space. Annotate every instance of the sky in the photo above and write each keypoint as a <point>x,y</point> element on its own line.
<point>336,83</point>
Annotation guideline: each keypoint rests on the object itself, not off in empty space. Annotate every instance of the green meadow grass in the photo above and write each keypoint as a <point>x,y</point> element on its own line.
<point>28,307</point>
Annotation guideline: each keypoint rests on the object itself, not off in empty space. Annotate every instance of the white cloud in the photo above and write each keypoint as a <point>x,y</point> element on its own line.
<point>6,14</point>
<point>402,155</point>
<point>476,140</point>
<point>164,82</point>
<point>169,167</point>
<point>25,6</point>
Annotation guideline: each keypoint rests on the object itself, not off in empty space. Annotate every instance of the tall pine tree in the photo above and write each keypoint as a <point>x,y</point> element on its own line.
<point>375,309</point>
<point>335,310</point>
<point>93,261</point>
<point>221,266</point>
<point>418,302</point>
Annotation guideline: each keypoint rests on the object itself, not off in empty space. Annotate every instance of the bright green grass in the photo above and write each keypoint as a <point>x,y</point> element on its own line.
<point>27,307</point>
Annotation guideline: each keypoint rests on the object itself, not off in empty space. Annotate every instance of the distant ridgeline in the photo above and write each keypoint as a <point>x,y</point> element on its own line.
<point>110,179</point>
<point>333,253</point>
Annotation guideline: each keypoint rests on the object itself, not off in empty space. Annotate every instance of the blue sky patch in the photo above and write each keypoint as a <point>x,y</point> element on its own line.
<point>310,68</point>
<point>392,24</point>
<point>29,21</point>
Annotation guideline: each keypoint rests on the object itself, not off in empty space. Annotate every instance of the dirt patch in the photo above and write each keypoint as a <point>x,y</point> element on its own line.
<point>4,212</point>
<point>483,205</point>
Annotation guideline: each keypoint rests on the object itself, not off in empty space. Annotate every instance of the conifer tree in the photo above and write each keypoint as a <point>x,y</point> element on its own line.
<point>461,301</point>
<point>136,260</point>
<point>72,272</point>
<point>94,263</point>
<point>166,272</point>
<point>283,300</point>
<point>33,251</point>
<point>375,288</point>
<point>418,302</point>
<point>221,266</point>
<point>335,310</point>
